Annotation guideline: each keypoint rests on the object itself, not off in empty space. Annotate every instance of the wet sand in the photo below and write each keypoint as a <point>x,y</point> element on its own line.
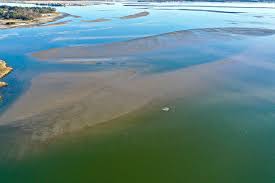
<point>137,15</point>
<point>97,20</point>
<point>57,24</point>
<point>147,44</point>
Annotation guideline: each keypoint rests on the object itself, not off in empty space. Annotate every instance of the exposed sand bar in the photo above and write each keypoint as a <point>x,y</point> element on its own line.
<point>57,24</point>
<point>137,15</point>
<point>147,44</point>
<point>97,20</point>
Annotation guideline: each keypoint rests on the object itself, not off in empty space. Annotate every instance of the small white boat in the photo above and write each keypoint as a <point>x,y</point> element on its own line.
<point>165,109</point>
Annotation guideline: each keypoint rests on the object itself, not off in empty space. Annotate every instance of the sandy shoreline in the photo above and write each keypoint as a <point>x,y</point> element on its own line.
<point>4,70</point>
<point>46,18</point>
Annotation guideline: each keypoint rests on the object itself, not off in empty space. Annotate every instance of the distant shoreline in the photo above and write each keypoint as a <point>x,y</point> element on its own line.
<point>12,23</point>
<point>55,3</point>
<point>86,2</point>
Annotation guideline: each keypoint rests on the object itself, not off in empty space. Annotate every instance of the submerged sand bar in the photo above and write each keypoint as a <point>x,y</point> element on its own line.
<point>65,102</point>
<point>69,101</point>
<point>147,44</point>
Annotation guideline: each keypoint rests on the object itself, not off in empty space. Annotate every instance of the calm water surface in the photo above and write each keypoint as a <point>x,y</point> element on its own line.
<point>208,138</point>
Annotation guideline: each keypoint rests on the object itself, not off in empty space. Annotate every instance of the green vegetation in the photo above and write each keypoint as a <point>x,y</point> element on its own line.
<point>23,13</point>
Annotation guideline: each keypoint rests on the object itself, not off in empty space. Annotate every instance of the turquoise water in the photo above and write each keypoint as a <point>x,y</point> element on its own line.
<point>223,135</point>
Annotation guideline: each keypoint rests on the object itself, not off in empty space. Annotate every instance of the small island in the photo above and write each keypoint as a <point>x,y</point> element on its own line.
<point>4,70</point>
<point>13,16</point>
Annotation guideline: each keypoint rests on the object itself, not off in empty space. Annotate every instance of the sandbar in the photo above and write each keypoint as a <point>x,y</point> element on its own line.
<point>97,20</point>
<point>136,15</point>
<point>57,24</point>
<point>143,45</point>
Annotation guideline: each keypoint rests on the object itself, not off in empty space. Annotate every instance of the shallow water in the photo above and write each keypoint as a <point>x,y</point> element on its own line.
<point>17,44</point>
<point>222,134</point>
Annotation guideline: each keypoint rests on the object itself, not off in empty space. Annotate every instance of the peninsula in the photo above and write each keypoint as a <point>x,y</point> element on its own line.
<point>13,16</point>
<point>4,70</point>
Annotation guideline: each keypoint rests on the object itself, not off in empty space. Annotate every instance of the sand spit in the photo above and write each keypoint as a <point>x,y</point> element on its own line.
<point>137,15</point>
<point>147,44</point>
<point>97,20</point>
<point>4,70</point>
<point>57,24</point>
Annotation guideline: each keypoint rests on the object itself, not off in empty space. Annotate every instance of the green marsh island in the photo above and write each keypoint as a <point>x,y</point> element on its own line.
<point>14,16</point>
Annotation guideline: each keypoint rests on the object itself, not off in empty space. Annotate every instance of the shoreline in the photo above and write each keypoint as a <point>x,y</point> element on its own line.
<point>40,21</point>
<point>4,71</point>
<point>59,3</point>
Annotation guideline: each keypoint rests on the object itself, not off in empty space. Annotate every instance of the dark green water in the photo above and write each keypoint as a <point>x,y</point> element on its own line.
<point>202,139</point>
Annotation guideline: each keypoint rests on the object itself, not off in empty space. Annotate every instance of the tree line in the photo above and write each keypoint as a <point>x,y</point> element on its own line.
<point>23,13</point>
